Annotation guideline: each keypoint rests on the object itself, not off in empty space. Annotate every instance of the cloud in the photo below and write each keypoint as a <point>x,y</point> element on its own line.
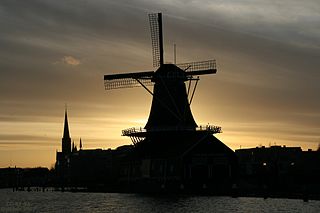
<point>71,60</point>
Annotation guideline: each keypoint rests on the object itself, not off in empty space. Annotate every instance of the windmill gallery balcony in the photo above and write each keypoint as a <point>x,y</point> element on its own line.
<point>141,132</point>
<point>137,134</point>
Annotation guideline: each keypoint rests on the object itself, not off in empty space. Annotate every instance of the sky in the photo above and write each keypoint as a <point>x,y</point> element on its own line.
<point>55,53</point>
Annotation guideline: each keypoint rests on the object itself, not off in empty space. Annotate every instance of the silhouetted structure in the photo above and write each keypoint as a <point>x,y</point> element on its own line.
<point>63,158</point>
<point>279,169</point>
<point>24,178</point>
<point>90,168</point>
<point>172,150</point>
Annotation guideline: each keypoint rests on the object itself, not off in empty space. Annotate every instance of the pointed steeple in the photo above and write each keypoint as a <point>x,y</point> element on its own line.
<point>66,125</point>
<point>66,140</point>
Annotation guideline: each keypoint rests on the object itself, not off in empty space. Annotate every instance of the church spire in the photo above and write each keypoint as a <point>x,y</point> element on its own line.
<point>66,140</point>
<point>66,126</point>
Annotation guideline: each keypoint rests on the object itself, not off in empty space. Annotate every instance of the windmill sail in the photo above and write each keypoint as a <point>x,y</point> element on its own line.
<point>156,38</point>
<point>199,68</point>
<point>127,80</point>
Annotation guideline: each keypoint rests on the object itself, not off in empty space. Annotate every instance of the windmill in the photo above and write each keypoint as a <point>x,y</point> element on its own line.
<point>174,87</point>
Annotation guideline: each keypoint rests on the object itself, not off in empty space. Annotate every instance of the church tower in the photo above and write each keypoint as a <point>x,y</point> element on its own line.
<point>66,140</point>
<point>63,158</point>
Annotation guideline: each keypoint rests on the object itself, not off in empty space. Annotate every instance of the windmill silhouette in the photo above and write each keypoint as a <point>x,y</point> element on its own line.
<point>170,109</point>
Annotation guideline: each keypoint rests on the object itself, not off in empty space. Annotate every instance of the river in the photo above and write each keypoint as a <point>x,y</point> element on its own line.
<point>51,201</point>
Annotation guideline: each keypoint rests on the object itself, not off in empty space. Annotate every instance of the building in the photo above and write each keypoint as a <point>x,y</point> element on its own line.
<point>189,161</point>
<point>173,162</point>
<point>62,165</point>
<point>280,168</point>
<point>85,168</point>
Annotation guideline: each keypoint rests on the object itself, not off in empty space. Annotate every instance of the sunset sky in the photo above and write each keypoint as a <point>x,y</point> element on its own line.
<point>52,53</point>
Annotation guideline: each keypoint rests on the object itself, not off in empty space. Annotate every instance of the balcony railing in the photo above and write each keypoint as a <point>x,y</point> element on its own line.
<point>140,132</point>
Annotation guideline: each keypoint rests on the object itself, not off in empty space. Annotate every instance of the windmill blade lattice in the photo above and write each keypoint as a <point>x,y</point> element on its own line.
<point>199,67</point>
<point>127,80</point>
<point>156,38</point>
<point>125,83</point>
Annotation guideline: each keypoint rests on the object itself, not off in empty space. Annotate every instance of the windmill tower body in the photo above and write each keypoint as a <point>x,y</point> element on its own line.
<point>170,106</point>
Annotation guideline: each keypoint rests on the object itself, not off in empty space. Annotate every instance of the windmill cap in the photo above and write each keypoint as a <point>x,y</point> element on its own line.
<point>170,72</point>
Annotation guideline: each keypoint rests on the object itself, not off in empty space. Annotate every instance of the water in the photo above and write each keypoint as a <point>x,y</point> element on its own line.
<point>113,202</point>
